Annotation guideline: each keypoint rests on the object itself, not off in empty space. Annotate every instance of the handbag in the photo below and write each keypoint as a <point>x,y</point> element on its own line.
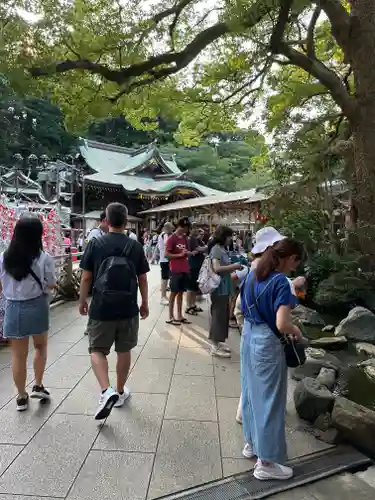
<point>295,354</point>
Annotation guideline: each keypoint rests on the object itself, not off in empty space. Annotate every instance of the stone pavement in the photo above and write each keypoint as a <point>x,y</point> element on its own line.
<point>178,429</point>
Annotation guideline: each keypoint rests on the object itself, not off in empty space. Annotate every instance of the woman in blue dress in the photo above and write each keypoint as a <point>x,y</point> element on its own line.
<point>267,300</point>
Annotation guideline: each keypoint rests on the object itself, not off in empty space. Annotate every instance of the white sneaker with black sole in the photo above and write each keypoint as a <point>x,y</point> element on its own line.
<point>22,402</point>
<point>123,396</point>
<point>39,392</point>
<point>106,402</point>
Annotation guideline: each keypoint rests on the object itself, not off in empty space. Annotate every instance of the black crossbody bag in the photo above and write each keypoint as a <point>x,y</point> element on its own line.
<point>295,354</point>
<point>37,279</point>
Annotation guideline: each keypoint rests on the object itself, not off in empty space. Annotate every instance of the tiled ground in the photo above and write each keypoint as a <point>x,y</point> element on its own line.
<point>178,430</point>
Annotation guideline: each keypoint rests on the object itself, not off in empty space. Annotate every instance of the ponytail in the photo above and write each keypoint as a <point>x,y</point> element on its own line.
<point>267,264</point>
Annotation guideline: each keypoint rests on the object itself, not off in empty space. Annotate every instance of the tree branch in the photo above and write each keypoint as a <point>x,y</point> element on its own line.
<point>175,10</point>
<point>310,45</point>
<point>314,67</point>
<point>340,21</point>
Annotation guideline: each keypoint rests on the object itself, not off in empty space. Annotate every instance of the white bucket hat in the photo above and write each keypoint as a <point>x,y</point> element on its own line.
<point>266,237</point>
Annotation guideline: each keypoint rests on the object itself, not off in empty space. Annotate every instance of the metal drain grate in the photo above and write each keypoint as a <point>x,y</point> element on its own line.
<point>306,470</point>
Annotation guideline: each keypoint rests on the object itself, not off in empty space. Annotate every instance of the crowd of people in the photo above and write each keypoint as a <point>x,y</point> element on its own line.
<point>114,269</point>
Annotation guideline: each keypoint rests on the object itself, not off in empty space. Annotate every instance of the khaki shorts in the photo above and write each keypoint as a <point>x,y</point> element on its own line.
<point>122,333</point>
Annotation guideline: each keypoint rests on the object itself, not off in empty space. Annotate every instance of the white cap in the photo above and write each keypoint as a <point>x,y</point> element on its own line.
<point>266,237</point>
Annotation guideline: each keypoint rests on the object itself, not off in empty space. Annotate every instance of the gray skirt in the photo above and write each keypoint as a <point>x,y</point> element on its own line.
<point>219,326</point>
<point>24,318</point>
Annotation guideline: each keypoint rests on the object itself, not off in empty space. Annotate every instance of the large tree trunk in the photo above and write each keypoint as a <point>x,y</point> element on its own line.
<point>362,59</point>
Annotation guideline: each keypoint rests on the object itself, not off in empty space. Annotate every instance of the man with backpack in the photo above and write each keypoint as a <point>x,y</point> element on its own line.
<point>115,266</point>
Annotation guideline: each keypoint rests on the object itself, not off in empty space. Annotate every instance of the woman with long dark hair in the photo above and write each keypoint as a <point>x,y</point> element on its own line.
<point>26,274</point>
<point>267,300</point>
<point>220,297</point>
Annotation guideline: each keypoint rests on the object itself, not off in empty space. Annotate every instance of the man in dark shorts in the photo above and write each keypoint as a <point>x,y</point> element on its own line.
<point>176,251</point>
<point>164,262</point>
<point>197,249</point>
<point>115,266</point>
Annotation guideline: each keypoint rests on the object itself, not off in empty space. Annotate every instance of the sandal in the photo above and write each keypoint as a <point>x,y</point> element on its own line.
<point>174,322</point>
<point>184,321</point>
<point>192,311</point>
<point>198,309</point>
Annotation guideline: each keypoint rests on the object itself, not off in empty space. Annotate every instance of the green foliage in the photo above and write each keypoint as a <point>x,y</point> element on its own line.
<point>30,126</point>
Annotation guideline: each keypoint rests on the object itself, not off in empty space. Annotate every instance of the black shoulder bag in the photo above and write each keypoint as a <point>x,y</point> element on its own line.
<point>294,351</point>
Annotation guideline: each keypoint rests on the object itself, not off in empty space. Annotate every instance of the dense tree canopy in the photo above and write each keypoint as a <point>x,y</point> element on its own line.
<point>204,63</point>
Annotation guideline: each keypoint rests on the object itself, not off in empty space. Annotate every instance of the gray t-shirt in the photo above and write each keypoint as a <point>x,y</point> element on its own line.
<point>29,288</point>
<point>219,253</point>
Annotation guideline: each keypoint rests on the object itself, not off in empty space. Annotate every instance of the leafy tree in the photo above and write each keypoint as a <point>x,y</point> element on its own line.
<point>30,126</point>
<point>207,61</point>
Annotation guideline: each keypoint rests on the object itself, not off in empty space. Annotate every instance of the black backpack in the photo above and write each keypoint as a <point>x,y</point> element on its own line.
<point>115,288</point>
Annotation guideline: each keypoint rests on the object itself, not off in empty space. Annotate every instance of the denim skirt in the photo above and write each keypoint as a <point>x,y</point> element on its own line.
<point>26,317</point>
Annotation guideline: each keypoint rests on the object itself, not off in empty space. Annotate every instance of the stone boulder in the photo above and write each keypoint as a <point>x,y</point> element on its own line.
<point>368,367</point>
<point>314,363</point>
<point>329,328</point>
<point>370,371</point>
<point>327,377</point>
<point>329,342</point>
<point>365,348</point>
<point>307,316</point>
<point>359,325</point>
<point>355,423</point>
<point>311,399</point>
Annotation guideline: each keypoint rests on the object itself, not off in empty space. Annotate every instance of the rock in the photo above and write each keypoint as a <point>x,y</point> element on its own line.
<point>341,290</point>
<point>368,362</point>
<point>307,316</point>
<point>370,371</point>
<point>323,422</point>
<point>358,325</point>
<point>311,399</point>
<point>327,377</point>
<point>355,423</point>
<point>314,364</point>
<point>313,352</point>
<point>329,328</point>
<point>330,342</point>
<point>330,436</point>
<point>365,348</point>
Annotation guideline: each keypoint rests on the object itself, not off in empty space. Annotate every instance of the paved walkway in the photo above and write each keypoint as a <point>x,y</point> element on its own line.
<point>177,431</point>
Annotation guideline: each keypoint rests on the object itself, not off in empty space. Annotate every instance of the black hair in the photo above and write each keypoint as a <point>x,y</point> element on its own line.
<point>184,222</point>
<point>102,216</point>
<point>25,247</point>
<point>117,215</point>
<point>221,235</point>
<point>270,259</point>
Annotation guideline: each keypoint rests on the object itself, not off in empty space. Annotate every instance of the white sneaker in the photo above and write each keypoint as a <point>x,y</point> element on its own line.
<point>272,471</point>
<point>224,347</point>
<point>217,351</point>
<point>248,452</point>
<point>106,403</point>
<point>164,302</point>
<point>122,398</point>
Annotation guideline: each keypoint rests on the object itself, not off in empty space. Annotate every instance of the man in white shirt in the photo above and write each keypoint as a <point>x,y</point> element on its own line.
<point>99,231</point>
<point>132,235</point>
<point>164,262</point>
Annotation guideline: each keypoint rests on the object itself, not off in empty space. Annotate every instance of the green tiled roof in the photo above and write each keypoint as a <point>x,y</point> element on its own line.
<point>148,185</point>
<point>111,159</point>
<point>117,166</point>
